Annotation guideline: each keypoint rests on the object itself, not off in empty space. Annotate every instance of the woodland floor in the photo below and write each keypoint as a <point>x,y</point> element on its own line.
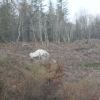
<point>81,76</point>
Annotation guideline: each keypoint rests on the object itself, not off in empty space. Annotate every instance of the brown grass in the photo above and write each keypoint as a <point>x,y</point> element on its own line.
<point>83,90</point>
<point>21,79</point>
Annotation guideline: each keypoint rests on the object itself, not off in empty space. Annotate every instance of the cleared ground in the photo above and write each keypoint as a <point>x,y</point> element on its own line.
<point>72,73</point>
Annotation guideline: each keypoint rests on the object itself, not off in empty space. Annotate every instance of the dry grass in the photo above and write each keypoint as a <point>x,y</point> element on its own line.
<point>21,81</point>
<point>70,78</point>
<point>82,90</point>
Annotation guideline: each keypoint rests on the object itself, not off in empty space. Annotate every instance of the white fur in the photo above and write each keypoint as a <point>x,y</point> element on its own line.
<point>40,53</point>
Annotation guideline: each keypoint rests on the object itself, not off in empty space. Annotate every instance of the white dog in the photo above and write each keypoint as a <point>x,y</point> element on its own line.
<point>41,54</point>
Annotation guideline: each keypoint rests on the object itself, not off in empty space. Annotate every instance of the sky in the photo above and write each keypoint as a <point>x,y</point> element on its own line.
<point>76,6</point>
<point>90,6</point>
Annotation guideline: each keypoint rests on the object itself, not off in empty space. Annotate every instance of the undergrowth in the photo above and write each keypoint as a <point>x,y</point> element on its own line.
<point>4,62</point>
<point>89,65</point>
<point>20,81</point>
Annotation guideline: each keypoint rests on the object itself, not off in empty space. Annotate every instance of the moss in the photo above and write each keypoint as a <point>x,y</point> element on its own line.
<point>93,65</point>
<point>89,65</point>
<point>4,62</point>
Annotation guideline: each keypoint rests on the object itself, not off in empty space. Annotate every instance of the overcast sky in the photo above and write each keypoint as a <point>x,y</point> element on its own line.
<point>75,6</point>
<point>91,6</point>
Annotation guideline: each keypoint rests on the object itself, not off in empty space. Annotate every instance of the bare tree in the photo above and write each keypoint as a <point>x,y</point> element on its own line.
<point>62,12</point>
